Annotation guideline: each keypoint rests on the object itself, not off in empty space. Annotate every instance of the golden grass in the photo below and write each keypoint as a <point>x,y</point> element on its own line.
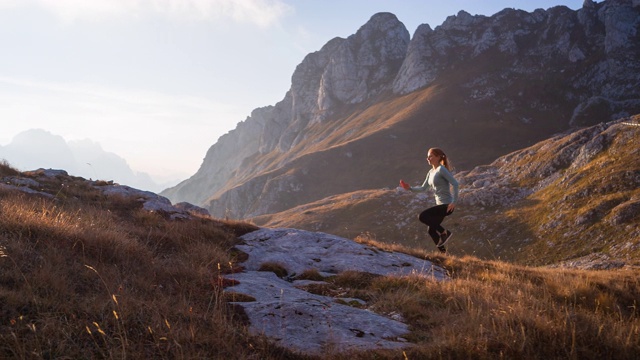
<point>275,268</point>
<point>80,281</point>
<point>310,274</point>
<point>491,310</point>
<point>82,276</point>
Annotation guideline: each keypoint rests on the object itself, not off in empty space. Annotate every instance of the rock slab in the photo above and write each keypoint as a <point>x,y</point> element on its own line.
<point>316,324</point>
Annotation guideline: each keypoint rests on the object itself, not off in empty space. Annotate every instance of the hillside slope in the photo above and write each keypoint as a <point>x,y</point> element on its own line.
<point>572,195</point>
<point>360,108</point>
<point>89,273</point>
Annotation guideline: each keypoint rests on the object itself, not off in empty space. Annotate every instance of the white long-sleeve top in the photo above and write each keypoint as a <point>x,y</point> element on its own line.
<point>440,180</point>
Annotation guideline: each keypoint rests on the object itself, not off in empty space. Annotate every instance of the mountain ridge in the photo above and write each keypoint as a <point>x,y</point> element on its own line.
<point>499,84</point>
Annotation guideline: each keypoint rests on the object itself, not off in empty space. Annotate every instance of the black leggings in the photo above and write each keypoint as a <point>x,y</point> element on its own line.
<point>433,217</point>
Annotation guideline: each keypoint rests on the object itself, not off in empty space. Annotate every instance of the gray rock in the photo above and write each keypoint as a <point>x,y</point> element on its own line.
<point>626,212</point>
<point>299,250</point>
<point>193,209</point>
<point>595,261</point>
<point>24,189</point>
<point>50,173</point>
<point>20,181</point>
<point>315,324</point>
<point>150,201</point>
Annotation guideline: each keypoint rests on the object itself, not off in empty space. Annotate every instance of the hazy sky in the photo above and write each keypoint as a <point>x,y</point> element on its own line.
<point>158,81</point>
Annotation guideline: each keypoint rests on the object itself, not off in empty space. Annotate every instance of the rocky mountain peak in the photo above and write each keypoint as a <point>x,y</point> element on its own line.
<point>344,71</point>
<point>348,71</point>
<point>460,22</point>
<point>480,86</point>
<point>610,26</point>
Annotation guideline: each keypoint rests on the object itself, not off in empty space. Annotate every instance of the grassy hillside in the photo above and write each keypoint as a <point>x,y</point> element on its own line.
<point>580,196</point>
<point>85,276</point>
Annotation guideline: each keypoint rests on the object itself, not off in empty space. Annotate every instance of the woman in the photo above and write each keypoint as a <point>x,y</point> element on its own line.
<point>440,180</point>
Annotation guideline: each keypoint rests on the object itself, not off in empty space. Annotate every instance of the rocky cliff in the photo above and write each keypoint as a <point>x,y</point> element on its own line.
<point>478,86</point>
<point>344,71</point>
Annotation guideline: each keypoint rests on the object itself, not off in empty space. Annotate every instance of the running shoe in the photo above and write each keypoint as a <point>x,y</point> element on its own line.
<point>444,237</point>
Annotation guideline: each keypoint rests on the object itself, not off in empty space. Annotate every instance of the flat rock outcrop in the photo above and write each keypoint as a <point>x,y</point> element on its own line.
<point>283,310</point>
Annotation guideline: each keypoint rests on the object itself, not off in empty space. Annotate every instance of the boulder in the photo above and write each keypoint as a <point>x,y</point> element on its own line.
<point>150,201</point>
<point>193,209</point>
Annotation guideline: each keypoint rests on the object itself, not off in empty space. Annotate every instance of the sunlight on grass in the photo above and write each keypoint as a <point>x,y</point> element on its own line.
<point>86,277</point>
<point>123,283</point>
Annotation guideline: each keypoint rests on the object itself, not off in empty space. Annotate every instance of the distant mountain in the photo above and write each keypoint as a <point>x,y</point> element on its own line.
<point>33,149</point>
<point>575,194</point>
<point>36,148</point>
<point>362,111</point>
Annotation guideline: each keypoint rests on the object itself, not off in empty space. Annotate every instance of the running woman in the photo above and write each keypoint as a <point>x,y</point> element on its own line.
<point>440,180</point>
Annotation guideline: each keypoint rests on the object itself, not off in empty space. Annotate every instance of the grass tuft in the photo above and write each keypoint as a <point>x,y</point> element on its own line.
<point>7,170</point>
<point>82,276</point>
<point>310,274</point>
<point>275,268</point>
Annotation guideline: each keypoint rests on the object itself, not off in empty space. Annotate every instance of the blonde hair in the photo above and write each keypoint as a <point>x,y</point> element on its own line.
<point>444,160</point>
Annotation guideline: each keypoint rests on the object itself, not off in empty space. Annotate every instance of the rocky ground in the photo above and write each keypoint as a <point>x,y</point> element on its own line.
<point>283,309</point>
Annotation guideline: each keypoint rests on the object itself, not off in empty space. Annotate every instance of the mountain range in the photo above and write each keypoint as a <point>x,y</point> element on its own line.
<point>362,111</point>
<point>36,148</point>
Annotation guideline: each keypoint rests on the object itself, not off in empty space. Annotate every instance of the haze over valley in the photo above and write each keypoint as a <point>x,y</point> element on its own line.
<point>37,148</point>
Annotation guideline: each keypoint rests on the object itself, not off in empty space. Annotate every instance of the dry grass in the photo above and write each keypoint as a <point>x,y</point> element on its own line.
<point>113,281</point>
<point>7,170</point>
<point>494,310</point>
<point>275,268</point>
<point>310,274</point>
<point>83,276</point>
<point>491,310</point>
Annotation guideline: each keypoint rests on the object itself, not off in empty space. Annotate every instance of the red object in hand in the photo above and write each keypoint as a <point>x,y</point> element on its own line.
<point>404,185</point>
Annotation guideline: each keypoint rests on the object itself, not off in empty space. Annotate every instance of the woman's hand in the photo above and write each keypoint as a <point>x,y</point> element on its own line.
<point>404,185</point>
<point>451,207</point>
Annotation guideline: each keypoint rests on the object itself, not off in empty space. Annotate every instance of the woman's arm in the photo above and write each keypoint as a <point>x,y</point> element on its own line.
<point>423,187</point>
<point>454,183</point>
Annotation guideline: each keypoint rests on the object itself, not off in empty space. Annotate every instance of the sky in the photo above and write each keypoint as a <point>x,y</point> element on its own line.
<point>157,82</point>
